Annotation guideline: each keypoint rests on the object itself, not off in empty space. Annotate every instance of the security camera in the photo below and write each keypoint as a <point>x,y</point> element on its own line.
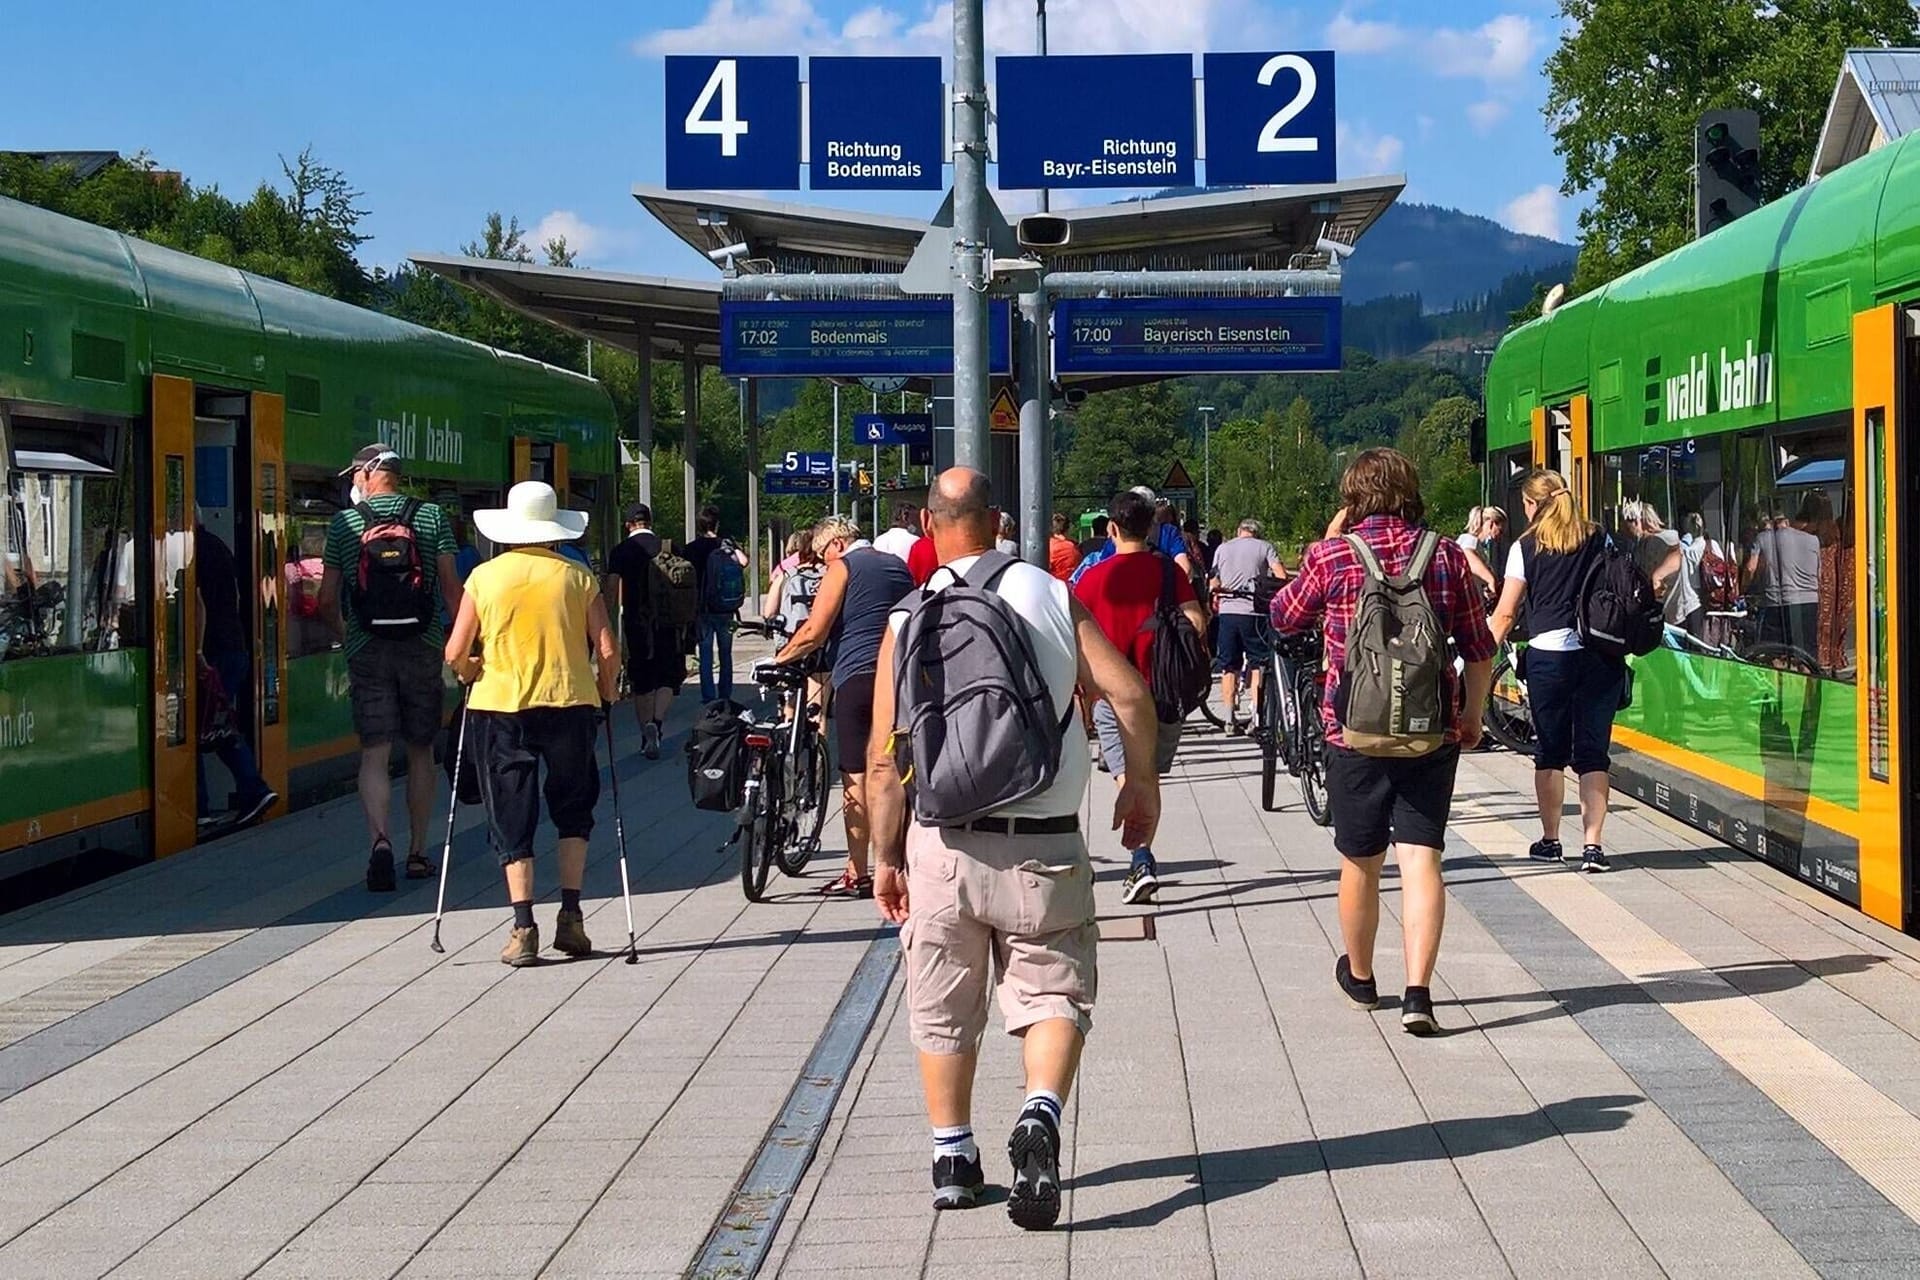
<point>1074,397</point>
<point>726,253</point>
<point>1043,231</point>
<point>1334,249</point>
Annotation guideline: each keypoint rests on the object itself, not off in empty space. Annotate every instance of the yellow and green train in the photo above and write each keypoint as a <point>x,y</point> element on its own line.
<point>142,390</point>
<point>1758,389</point>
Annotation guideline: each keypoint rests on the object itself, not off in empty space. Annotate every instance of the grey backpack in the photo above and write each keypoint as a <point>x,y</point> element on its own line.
<point>974,725</point>
<point>1392,699</point>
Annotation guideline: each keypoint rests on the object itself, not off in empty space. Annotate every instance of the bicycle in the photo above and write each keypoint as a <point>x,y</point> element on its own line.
<point>1509,717</point>
<point>1286,716</point>
<point>784,802</point>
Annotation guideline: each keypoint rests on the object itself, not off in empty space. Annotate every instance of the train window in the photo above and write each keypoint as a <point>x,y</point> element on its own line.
<point>313,503</point>
<point>1878,530</point>
<point>69,563</point>
<point>1790,503</point>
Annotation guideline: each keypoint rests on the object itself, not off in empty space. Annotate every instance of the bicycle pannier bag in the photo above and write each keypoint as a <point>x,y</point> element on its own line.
<point>717,757</point>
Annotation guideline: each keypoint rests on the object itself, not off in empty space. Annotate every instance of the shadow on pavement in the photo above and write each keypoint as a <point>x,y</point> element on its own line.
<point>1722,982</point>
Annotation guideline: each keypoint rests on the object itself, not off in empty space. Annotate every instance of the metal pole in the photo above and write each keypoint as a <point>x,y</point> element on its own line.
<point>836,449</point>
<point>970,247</point>
<point>750,411</point>
<point>643,419</point>
<point>1206,434</point>
<point>876,530</point>
<point>1040,47</point>
<point>690,433</point>
<point>1036,429</point>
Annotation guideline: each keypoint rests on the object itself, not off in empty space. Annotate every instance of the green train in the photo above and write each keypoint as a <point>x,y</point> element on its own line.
<point>1758,389</point>
<point>145,392</point>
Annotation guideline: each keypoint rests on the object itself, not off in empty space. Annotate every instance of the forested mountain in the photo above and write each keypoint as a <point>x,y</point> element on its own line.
<point>1444,257</point>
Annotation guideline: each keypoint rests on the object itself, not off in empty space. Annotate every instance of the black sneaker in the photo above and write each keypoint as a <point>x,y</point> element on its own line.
<point>1593,860</point>
<point>1140,885</point>
<point>1361,993</point>
<point>253,812</point>
<point>1546,851</point>
<point>1034,1148</point>
<point>957,1182</point>
<point>650,740</point>
<point>380,868</point>
<point>1416,1013</point>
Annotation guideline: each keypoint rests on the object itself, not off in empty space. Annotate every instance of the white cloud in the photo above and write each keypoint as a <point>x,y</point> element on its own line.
<point>1498,51</point>
<point>1372,153</point>
<point>1348,34</point>
<point>1425,124</point>
<point>584,238</point>
<point>1535,212</point>
<point>1483,116</point>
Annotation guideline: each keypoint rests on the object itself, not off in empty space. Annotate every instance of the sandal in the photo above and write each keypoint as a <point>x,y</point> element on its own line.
<point>846,886</point>
<point>418,866</point>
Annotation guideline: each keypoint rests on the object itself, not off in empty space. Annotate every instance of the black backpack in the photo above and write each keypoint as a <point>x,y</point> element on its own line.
<point>717,757</point>
<point>1617,613</point>
<point>390,592</point>
<point>1178,667</point>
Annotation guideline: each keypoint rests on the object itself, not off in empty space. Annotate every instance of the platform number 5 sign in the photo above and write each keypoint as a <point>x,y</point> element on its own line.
<point>1270,118</point>
<point>733,123</point>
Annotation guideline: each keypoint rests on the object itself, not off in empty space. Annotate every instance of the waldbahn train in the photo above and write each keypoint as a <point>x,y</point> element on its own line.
<point>143,391</point>
<point>1758,388</point>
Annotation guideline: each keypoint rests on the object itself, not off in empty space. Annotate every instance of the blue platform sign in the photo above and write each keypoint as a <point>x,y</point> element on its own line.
<point>777,484</point>
<point>733,123</point>
<point>1269,118</point>
<point>905,336</point>
<point>796,463</point>
<point>873,124</point>
<point>1196,335</point>
<point>893,428</point>
<point>1124,120</point>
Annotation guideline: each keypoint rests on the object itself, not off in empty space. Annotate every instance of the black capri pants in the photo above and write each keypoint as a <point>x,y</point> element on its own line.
<point>509,747</point>
<point>1574,696</point>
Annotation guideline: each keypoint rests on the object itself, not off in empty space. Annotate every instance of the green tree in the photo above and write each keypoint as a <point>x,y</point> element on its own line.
<point>1631,78</point>
<point>1440,445</point>
<point>1119,439</point>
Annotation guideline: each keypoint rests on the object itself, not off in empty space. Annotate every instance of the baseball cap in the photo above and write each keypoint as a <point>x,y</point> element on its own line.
<point>375,457</point>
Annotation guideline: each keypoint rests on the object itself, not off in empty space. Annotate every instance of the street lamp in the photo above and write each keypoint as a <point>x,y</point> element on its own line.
<point>1206,450</point>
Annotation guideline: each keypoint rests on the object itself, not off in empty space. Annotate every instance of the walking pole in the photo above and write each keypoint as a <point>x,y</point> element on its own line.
<point>620,838</point>
<point>453,807</point>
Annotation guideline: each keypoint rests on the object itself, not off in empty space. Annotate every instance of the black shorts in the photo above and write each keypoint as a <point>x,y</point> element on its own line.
<point>508,747</point>
<point>1379,801</point>
<point>661,664</point>
<point>1573,697</point>
<point>853,721</point>
<point>395,691</point>
<point>1241,644</point>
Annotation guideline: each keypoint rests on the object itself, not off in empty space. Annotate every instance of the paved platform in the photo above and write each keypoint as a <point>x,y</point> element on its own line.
<point>239,1063</point>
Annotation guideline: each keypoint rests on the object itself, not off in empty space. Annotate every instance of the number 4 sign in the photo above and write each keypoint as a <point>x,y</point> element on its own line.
<point>1269,118</point>
<point>733,123</point>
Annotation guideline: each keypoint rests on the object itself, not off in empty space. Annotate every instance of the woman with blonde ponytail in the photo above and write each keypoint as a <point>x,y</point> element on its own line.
<point>1572,691</point>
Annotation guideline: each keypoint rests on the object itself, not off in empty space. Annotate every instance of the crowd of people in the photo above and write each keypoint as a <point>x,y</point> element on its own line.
<point>961,686</point>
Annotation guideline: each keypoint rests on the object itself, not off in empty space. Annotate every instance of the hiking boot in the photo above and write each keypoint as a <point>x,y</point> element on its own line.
<point>522,949</point>
<point>1033,1202</point>
<point>380,867</point>
<point>957,1182</point>
<point>1141,882</point>
<point>1416,1013</point>
<point>1546,851</point>
<point>1361,993</point>
<point>1593,860</point>
<point>650,740</point>
<point>570,935</point>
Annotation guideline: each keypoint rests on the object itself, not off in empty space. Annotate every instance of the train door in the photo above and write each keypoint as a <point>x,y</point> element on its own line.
<point>220,656</point>
<point>1563,442</point>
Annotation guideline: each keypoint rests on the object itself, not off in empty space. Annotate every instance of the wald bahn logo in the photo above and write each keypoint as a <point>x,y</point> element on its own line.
<point>1736,380</point>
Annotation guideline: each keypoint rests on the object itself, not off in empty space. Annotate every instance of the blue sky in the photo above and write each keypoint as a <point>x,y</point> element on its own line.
<point>441,112</point>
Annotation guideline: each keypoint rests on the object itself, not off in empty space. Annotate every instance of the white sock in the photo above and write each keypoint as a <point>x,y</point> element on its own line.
<point>955,1141</point>
<point>1044,1100</point>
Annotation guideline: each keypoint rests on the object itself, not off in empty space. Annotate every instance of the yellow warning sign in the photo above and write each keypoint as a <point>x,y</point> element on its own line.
<point>1005,414</point>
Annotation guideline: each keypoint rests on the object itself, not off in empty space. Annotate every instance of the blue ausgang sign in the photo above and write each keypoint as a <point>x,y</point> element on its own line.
<point>733,123</point>
<point>1196,335</point>
<point>909,336</point>
<point>874,124</point>
<point>1269,118</point>
<point>892,428</point>
<point>1102,121</point>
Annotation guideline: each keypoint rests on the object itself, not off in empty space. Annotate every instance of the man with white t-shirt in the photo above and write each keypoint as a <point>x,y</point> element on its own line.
<point>899,540</point>
<point>1006,900</point>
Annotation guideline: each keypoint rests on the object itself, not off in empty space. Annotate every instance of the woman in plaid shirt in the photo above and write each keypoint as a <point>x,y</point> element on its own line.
<point>1379,801</point>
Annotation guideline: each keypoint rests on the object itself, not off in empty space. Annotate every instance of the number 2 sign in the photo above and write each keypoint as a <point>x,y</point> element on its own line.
<point>733,123</point>
<point>1269,118</point>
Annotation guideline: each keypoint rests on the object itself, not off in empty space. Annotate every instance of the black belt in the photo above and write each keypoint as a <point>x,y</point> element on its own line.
<point>1063,825</point>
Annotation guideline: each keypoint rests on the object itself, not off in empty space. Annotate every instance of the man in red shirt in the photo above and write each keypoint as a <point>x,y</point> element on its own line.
<point>1121,593</point>
<point>1403,801</point>
<point>922,559</point>
<point>1062,555</point>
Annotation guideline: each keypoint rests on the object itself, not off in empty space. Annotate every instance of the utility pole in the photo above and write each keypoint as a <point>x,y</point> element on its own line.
<point>836,448</point>
<point>1035,377</point>
<point>1040,47</point>
<point>970,247</point>
<point>1206,466</point>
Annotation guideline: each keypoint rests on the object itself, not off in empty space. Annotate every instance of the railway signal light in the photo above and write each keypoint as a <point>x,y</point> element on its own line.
<point>1726,168</point>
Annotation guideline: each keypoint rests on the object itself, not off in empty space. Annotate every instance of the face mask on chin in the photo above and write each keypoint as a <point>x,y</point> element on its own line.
<point>355,494</point>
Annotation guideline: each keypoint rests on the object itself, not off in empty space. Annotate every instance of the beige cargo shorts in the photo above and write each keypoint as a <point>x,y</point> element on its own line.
<point>1010,913</point>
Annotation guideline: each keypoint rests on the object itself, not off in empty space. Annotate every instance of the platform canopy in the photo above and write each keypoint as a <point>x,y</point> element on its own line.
<point>1262,227</point>
<point>1876,101</point>
<point>606,306</point>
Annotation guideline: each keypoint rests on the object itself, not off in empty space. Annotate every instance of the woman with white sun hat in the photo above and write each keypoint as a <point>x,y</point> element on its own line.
<point>533,697</point>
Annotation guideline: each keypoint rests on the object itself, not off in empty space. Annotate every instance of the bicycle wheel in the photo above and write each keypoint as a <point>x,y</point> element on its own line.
<point>1508,717</point>
<point>1268,731</point>
<point>1313,768</point>
<point>1206,710</point>
<point>758,834</point>
<point>808,810</point>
